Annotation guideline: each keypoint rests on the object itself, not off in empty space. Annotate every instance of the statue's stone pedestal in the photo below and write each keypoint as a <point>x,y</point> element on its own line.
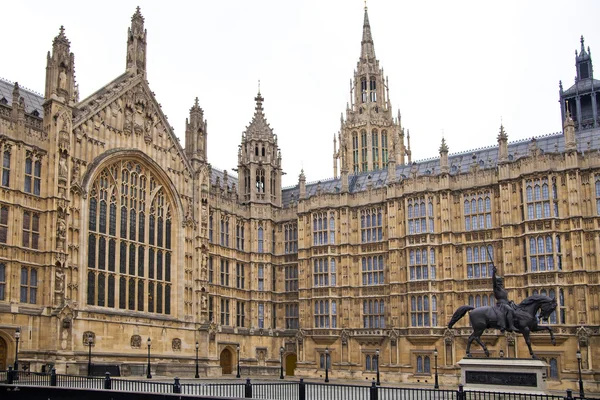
<point>514,375</point>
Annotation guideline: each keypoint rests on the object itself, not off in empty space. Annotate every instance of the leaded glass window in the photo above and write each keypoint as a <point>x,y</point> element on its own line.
<point>126,198</point>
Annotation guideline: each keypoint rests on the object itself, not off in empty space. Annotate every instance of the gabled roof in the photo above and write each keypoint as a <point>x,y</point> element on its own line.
<point>33,100</point>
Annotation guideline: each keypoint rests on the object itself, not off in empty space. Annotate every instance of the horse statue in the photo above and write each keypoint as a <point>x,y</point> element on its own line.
<point>525,319</point>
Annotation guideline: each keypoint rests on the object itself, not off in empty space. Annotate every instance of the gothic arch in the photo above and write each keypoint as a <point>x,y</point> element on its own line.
<point>110,156</point>
<point>133,248</point>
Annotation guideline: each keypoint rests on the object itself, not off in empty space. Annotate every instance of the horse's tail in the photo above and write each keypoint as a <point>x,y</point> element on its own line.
<point>458,314</point>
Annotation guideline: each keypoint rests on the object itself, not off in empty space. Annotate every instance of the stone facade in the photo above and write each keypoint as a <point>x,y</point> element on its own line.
<point>111,233</point>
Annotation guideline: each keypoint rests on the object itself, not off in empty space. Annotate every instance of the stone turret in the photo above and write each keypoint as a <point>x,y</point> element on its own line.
<point>60,70</point>
<point>136,45</point>
<point>259,161</point>
<point>444,166</point>
<point>502,145</point>
<point>196,134</point>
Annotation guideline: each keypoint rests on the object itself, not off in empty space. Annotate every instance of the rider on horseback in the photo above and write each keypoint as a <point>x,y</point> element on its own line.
<point>503,305</point>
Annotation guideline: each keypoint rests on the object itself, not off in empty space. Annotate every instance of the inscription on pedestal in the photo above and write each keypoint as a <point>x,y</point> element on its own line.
<point>501,378</point>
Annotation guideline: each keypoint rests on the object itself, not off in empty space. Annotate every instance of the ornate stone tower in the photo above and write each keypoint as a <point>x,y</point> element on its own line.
<point>369,137</point>
<point>60,70</point>
<point>582,100</point>
<point>136,44</point>
<point>195,135</point>
<point>259,161</point>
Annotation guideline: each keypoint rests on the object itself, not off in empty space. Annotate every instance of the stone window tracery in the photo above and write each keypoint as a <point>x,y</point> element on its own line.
<point>31,229</point>
<point>478,211</point>
<point>372,270</point>
<point>355,163</point>
<point>127,199</point>
<point>420,215</point>
<point>421,264</point>
<point>3,224</point>
<point>423,311</point>
<point>371,225</point>
<point>479,261</point>
<point>291,316</point>
<point>373,313</point>
<point>33,174</point>
<point>2,282</point>
<point>323,228</point>
<point>545,253</point>
<point>6,167</point>
<point>538,200</point>
<point>324,272</point>
<point>325,314</point>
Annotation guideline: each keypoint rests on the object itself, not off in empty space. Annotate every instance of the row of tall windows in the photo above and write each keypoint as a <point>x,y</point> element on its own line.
<point>480,261</point>
<point>325,314</point>
<point>372,270</point>
<point>421,264</point>
<point>478,211</point>
<point>33,171</point>
<point>481,300</point>
<point>291,238</point>
<point>129,243</point>
<point>323,228</point>
<point>598,194</point>
<point>371,225</point>
<point>420,215</point>
<point>545,253</point>
<point>373,313</point>
<point>291,316</point>
<point>423,310</point>
<point>291,278</point>
<point>371,94</point>
<point>324,272</point>
<point>28,284</point>
<point>540,204</point>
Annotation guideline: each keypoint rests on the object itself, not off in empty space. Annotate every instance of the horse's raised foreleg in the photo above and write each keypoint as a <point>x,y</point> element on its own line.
<point>525,332</point>
<point>538,328</point>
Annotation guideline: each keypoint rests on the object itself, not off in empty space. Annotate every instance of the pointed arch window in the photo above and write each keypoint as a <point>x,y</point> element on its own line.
<point>260,239</point>
<point>260,180</point>
<point>363,90</point>
<point>373,90</point>
<point>33,174</point>
<point>598,194</point>
<point>384,148</point>
<point>143,280</point>
<point>355,162</point>
<point>375,149</point>
<point>6,167</point>
<point>363,151</point>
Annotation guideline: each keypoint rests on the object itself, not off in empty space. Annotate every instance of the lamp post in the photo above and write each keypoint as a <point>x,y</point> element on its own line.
<point>197,347</point>
<point>149,374</point>
<point>377,354</point>
<point>581,392</point>
<point>326,364</point>
<point>16,366</point>
<point>238,362</point>
<point>89,344</point>
<point>281,363</point>
<point>436,384</point>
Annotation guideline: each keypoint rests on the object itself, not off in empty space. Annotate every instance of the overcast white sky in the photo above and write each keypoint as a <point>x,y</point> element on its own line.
<point>457,67</point>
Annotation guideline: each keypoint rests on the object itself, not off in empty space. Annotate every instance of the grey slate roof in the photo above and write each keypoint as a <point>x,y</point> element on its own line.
<point>487,158</point>
<point>33,100</point>
<point>583,86</point>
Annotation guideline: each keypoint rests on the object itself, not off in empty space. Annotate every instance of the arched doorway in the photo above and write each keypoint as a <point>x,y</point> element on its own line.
<point>3,354</point>
<point>290,364</point>
<point>226,361</point>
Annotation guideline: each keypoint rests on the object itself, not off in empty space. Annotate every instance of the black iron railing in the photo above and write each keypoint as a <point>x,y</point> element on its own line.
<point>290,390</point>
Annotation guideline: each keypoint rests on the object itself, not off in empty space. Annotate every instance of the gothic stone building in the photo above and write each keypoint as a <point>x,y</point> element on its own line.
<point>111,233</point>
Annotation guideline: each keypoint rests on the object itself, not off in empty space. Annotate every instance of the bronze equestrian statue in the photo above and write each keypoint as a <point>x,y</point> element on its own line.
<point>506,315</point>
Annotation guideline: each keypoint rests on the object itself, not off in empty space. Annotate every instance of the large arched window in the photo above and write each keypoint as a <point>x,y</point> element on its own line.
<point>138,241</point>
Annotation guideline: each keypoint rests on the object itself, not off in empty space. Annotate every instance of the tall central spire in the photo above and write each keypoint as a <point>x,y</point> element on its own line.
<point>367,48</point>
